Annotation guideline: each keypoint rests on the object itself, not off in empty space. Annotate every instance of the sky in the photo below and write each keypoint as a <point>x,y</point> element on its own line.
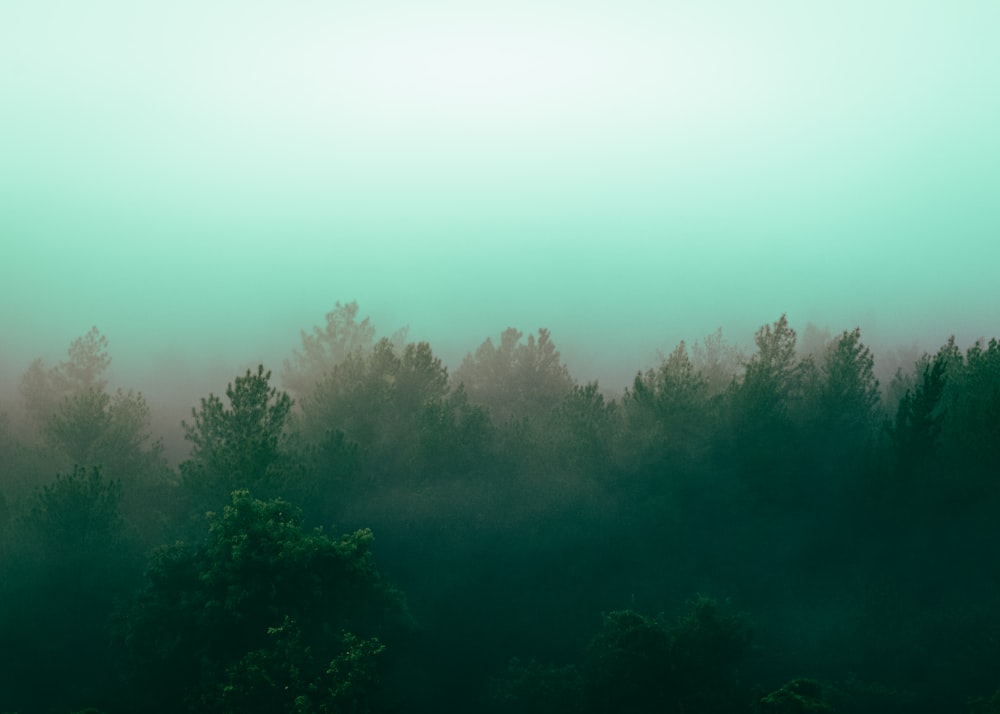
<point>201,180</point>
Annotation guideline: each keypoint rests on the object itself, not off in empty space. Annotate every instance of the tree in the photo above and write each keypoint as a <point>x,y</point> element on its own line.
<point>11,477</point>
<point>920,415</point>
<point>581,430</point>
<point>708,644</point>
<point>76,421</point>
<point>112,431</point>
<point>398,408</point>
<point>718,362</point>
<point>667,413</point>
<point>627,665</point>
<point>455,435</point>
<point>43,390</point>
<point>343,336</point>
<point>284,676</point>
<point>260,607</point>
<point>849,396</point>
<point>772,376</point>
<point>242,444</point>
<point>799,696</point>
<point>514,380</point>
<point>76,514</point>
<point>69,559</point>
<point>767,410</point>
<point>841,403</point>
<point>974,421</point>
<point>638,663</point>
<point>946,423</point>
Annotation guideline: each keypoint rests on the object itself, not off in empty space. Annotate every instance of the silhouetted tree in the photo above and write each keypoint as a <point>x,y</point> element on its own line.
<point>580,432</point>
<point>242,444</point>
<point>771,378</point>
<point>709,644</point>
<point>262,611</point>
<point>627,669</point>
<point>641,664</point>
<point>112,431</point>
<point>75,421</point>
<point>398,408</point>
<point>455,436</point>
<point>974,417</point>
<point>849,396</point>
<point>844,411</point>
<point>69,560</point>
<point>766,412</point>
<point>667,415</point>
<point>920,416</point>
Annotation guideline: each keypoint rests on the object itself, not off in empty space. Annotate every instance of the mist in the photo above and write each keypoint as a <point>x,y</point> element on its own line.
<point>632,357</point>
<point>641,174</point>
<point>810,519</point>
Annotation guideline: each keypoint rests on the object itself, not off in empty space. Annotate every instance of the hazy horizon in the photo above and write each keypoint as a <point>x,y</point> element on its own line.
<point>204,181</point>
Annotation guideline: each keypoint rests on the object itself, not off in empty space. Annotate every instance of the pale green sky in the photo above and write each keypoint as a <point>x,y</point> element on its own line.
<point>210,177</point>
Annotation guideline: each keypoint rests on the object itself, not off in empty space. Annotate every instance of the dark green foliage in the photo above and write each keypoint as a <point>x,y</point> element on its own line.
<point>810,696</point>
<point>201,625</point>
<point>78,425</point>
<point>239,445</point>
<point>967,421</point>
<point>533,688</point>
<point>800,696</point>
<point>710,643</point>
<point>72,419</point>
<point>285,676</point>
<point>982,705</point>
<point>397,407</point>
<point>771,398</point>
<point>976,406</point>
<point>920,415</point>
<point>772,377</point>
<point>512,504</point>
<point>627,668</point>
<point>853,696</point>
<point>332,474</point>
<point>75,515</point>
<point>640,664</point>
<point>849,391</point>
<point>578,429</point>
<point>454,435</point>
<point>68,561</point>
<point>111,431</point>
<point>668,415</point>
<point>765,410</point>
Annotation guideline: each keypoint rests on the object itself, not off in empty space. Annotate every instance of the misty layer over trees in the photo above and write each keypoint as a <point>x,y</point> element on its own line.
<point>360,529</point>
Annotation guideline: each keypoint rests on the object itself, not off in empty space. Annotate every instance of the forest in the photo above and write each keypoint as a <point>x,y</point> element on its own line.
<point>767,530</point>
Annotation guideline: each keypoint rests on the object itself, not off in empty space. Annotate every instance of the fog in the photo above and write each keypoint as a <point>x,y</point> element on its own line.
<point>176,366</point>
<point>202,184</point>
<point>742,526</point>
<point>692,207</point>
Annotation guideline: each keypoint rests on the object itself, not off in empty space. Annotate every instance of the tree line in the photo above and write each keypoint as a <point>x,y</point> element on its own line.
<point>772,531</point>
